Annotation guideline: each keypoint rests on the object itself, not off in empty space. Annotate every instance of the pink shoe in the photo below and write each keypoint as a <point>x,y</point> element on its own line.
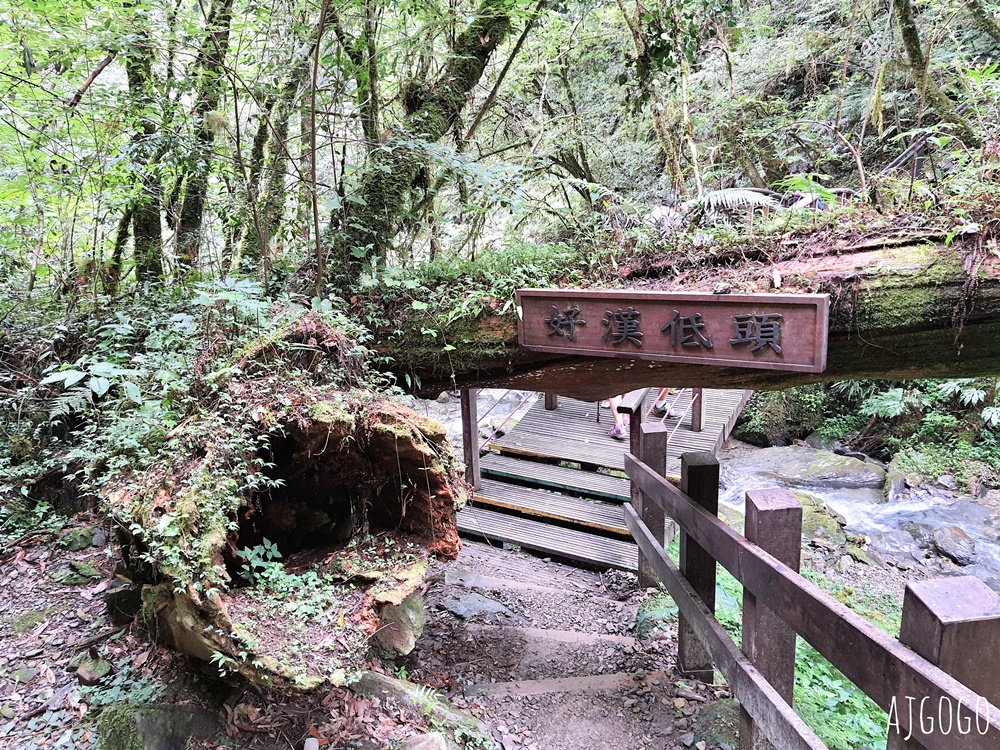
<point>618,433</point>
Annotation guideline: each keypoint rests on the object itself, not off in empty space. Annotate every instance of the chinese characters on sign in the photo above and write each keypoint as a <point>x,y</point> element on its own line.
<point>623,325</point>
<point>776,331</point>
<point>759,330</point>
<point>688,328</point>
<point>564,323</point>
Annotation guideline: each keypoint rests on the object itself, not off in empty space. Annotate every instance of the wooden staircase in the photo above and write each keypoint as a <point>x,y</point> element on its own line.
<point>554,484</point>
<point>569,513</point>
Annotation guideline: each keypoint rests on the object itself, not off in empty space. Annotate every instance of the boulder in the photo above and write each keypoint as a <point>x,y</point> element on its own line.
<point>77,539</point>
<point>955,544</point>
<point>402,624</point>
<point>92,671</point>
<point>469,605</point>
<point>801,466</point>
<point>124,726</point>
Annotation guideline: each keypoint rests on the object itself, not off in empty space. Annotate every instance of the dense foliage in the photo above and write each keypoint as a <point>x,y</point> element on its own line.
<point>181,181</point>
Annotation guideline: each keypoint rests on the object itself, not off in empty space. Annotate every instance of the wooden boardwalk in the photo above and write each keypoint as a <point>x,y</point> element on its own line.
<point>572,434</point>
<point>552,484</point>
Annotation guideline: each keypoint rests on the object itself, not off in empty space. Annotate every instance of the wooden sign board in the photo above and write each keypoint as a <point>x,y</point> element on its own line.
<point>767,331</point>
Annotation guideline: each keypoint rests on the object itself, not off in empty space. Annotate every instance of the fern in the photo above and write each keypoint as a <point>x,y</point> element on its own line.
<point>890,404</point>
<point>732,198</point>
<point>72,400</point>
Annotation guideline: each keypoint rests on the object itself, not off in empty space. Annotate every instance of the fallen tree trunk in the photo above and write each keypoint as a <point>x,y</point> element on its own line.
<point>897,311</point>
<point>280,522</point>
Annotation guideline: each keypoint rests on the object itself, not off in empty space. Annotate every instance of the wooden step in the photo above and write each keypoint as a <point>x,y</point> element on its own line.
<point>574,481</point>
<point>595,514</point>
<point>541,537</point>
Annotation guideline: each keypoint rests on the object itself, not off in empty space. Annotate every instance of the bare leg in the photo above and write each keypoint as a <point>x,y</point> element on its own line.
<point>619,431</point>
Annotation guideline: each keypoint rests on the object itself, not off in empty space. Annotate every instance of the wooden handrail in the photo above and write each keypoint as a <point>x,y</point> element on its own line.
<point>885,670</point>
<point>774,717</point>
<point>632,402</point>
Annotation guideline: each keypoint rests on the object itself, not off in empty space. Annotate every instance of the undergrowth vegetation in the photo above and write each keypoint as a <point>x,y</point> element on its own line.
<point>926,428</point>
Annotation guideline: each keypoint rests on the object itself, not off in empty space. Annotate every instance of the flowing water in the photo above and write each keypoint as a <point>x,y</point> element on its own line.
<point>901,528</point>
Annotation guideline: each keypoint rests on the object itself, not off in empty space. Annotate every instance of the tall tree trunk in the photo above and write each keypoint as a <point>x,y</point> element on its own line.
<point>920,70</point>
<point>211,61</point>
<point>269,199</point>
<point>147,232</point>
<point>431,110</point>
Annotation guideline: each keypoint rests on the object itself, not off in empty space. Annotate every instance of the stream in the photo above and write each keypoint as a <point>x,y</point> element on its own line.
<point>928,526</point>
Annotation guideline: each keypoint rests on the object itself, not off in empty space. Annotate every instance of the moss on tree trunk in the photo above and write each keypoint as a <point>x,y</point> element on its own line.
<point>921,310</point>
<point>431,109</point>
<point>920,71</point>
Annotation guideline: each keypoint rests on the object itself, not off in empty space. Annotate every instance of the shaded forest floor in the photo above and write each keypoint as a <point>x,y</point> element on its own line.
<point>544,655</point>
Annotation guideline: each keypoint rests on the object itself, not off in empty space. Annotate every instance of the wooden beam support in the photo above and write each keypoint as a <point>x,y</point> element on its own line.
<point>700,482</point>
<point>773,523</point>
<point>470,435</point>
<point>653,444</point>
<point>551,401</point>
<point>697,409</point>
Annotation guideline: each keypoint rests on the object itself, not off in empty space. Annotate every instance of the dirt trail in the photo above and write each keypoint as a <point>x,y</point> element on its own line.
<point>549,659</point>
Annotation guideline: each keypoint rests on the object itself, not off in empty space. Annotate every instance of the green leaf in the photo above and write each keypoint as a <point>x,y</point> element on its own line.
<point>132,392</point>
<point>418,305</point>
<point>67,377</point>
<point>99,385</point>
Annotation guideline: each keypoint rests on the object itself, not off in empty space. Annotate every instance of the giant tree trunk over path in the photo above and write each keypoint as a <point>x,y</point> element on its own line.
<point>431,109</point>
<point>900,308</point>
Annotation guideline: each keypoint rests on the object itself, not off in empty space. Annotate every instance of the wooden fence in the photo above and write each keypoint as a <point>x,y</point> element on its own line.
<point>951,625</point>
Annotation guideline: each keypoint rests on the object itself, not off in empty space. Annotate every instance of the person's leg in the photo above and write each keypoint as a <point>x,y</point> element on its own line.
<point>660,405</point>
<point>619,431</point>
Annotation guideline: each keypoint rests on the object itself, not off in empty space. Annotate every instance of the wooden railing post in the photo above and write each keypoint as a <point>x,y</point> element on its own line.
<point>700,482</point>
<point>470,435</point>
<point>551,401</point>
<point>773,523</point>
<point>652,452</point>
<point>954,623</point>
<point>697,409</point>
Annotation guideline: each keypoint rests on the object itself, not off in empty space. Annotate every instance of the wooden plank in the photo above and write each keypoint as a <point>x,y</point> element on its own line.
<point>470,435</point>
<point>573,545</point>
<point>571,432</point>
<point>883,668</point>
<point>775,718</point>
<point>700,482</point>
<point>773,523</point>
<point>595,514</point>
<point>574,481</point>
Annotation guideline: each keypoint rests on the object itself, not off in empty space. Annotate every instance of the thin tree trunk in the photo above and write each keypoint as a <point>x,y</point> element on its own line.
<point>211,61</point>
<point>920,70</point>
<point>113,271</point>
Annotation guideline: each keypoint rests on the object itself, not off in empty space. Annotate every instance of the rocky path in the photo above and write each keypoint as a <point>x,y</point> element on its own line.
<point>549,658</point>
